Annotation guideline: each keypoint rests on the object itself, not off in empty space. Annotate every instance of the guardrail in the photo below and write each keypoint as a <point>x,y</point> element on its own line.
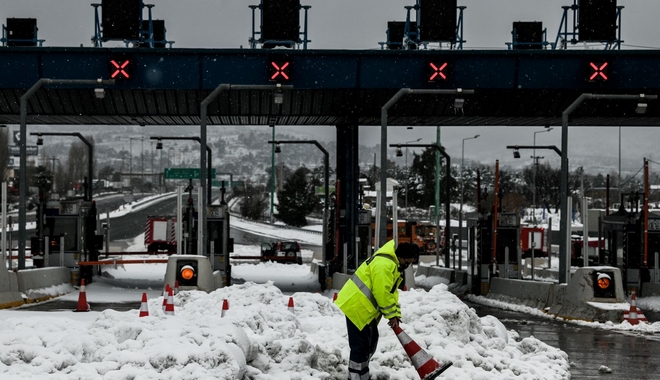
<point>279,226</point>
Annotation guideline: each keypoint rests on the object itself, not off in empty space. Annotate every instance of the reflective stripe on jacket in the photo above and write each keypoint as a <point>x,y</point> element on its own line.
<point>373,290</point>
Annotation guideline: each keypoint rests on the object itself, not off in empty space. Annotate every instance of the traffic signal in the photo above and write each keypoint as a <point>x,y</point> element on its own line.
<point>120,67</point>
<point>396,33</point>
<point>279,70</point>
<point>604,286</point>
<point>597,20</point>
<point>528,35</point>
<point>24,29</point>
<point>186,272</point>
<point>437,20</point>
<point>121,19</point>
<point>158,30</point>
<point>280,21</point>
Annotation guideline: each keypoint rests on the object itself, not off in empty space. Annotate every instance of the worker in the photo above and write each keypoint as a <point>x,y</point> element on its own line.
<point>370,293</point>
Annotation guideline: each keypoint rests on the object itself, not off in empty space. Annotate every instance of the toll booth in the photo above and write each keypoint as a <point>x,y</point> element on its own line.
<point>189,229</point>
<point>624,246</point>
<point>364,236</point>
<point>218,241</point>
<point>65,219</point>
<point>493,261</point>
<point>484,236</point>
<point>508,237</point>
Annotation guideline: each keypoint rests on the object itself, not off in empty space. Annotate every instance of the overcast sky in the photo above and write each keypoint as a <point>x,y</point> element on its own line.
<point>361,24</point>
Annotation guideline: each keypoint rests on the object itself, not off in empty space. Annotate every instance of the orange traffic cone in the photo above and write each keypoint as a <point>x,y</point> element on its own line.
<point>144,307</point>
<point>634,315</point>
<point>427,368</point>
<point>169,308</point>
<point>334,298</point>
<point>291,304</point>
<point>165,295</point>
<point>176,287</point>
<point>82,298</point>
<point>225,307</point>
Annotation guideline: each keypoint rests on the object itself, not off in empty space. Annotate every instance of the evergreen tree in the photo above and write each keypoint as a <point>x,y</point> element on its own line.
<point>296,199</point>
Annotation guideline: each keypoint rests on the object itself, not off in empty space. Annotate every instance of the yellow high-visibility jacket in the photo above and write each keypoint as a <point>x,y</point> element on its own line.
<point>373,289</point>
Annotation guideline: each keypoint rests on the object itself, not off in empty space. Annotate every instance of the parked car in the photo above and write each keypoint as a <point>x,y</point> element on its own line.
<point>282,251</point>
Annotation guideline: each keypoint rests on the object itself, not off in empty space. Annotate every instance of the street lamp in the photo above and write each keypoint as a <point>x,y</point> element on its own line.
<point>442,151</point>
<point>563,230</point>
<point>460,210</point>
<point>90,155</point>
<point>459,102</point>
<point>407,172</point>
<point>159,145</point>
<point>536,164</point>
<point>22,183</point>
<point>326,184</point>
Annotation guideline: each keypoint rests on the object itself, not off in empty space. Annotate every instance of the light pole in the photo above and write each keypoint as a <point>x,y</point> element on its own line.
<point>564,232</point>
<point>459,104</point>
<point>460,210</point>
<point>407,173</point>
<point>442,151</point>
<point>90,155</point>
<point>536,164</point>
<point>99,93</point>
<point>326,184</point>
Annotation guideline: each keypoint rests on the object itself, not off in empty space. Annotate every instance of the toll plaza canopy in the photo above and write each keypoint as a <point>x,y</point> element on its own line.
<point>329,87</point>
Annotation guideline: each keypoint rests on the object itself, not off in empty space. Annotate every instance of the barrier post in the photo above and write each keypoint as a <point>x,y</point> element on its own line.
<point>345,268</point>
<point>46,251</point>
<point>61,250</point>
<point>179,220</point>
<point>10,251</point>
<point>655,274</point>
<point>533,249</point>
<point>4,223</point>
<point>549,241</point>
<point>212,255</point>
<point>569,205</point>
<point>506,262</point>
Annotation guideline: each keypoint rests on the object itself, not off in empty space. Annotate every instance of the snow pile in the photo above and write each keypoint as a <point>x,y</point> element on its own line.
<point>260,339</point>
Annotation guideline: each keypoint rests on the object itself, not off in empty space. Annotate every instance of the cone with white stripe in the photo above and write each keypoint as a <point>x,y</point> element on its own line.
<point>169,308</point>
<point>82,298</point>
<point>144,306</point>
<point>166,293</point>
<point>634,315</point>
<point>427,368</point>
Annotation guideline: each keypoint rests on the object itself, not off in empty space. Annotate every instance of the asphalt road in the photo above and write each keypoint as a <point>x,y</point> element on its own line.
<point>630,356</point>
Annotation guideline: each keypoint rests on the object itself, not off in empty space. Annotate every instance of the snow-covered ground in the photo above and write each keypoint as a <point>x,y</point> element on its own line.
<point>258,338</point>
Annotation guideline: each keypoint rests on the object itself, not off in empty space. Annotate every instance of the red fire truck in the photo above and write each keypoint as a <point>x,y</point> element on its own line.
<point>160,234</point>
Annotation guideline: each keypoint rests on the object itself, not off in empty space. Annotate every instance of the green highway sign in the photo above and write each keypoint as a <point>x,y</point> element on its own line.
<point>184,173</point>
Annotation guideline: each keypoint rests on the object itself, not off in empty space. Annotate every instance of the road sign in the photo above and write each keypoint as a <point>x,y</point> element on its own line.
<point>184,173</point>
<point>32,150</point>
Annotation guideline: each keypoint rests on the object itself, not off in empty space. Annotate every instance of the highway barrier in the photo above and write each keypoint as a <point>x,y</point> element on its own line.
<point>592,294</point>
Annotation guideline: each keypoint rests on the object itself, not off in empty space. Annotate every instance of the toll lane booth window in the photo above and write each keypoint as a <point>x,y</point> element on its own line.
<point>215,235</point>
<point>64,226</point>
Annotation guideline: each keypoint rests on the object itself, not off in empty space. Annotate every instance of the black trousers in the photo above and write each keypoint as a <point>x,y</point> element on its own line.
<point>363,345</point>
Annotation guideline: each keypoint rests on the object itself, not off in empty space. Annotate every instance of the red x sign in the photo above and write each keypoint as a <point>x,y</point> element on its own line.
<point>279,71</point>
<point>599,72</point>
<point>119,69</point>
<point>436,72</point>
